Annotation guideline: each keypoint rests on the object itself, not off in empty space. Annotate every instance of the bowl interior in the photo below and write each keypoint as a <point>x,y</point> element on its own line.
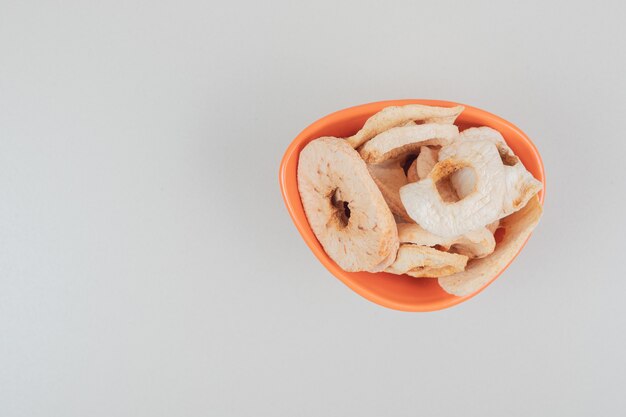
<point>393,291</point>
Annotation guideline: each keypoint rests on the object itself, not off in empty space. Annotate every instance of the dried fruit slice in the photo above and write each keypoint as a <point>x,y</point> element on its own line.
<point>517,229</point>
<point>344,207</point>
<point>520,184</point>
<point>399,115</point>
<point>416,258</point>
<point>425,161</point>
<point>417,235</point>
<point>399,141</point>
<point>475,244</point>
<point>492,135</point>
<point>389,177</point>
<point>424,204</point>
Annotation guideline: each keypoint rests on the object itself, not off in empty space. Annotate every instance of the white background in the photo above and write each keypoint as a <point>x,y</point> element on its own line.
<point>148,266</point>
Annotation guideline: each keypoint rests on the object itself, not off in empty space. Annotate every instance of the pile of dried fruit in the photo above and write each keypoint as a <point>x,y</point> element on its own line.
<point>410,194</point>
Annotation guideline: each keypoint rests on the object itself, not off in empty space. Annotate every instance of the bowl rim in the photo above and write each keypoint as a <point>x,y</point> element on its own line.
<point>370,108</point>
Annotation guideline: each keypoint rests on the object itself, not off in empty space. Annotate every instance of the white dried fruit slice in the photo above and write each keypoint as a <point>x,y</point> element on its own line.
<point>389,177</point>
<point>415,258</point>
<point>517,229</point>
<point>464,180</point>
<point>520,184</point>
<point>425,161</point>
<point>476,244</point>
<point>344,207</point>
<point>398,141</point>
<point>426,207</point>
<point>393,116</point>
<point>490,134</point>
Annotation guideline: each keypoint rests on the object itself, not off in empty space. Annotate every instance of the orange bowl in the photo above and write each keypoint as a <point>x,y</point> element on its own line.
<point>398,292</point>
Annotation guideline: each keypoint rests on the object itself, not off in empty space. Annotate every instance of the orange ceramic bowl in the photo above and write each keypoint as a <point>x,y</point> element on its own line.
<point>398,292</point>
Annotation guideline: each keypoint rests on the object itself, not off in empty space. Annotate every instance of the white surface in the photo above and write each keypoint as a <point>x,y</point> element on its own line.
<point>148,266</point>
